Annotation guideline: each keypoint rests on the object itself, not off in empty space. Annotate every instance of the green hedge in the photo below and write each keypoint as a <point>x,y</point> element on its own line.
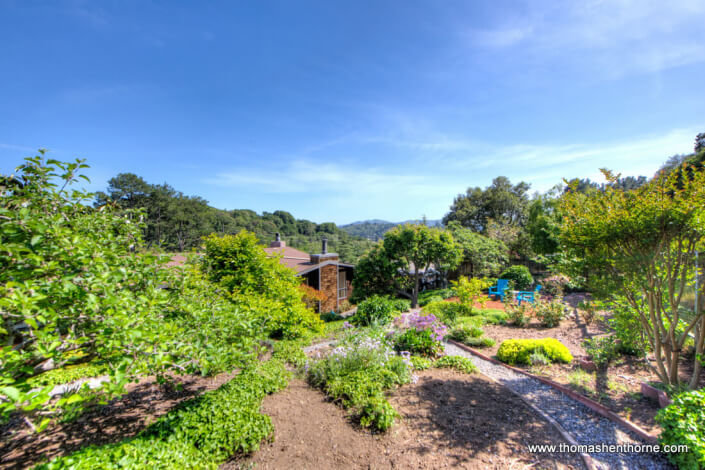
<point>199,433</point>
<point>683,423</point>
<point>518,351</point>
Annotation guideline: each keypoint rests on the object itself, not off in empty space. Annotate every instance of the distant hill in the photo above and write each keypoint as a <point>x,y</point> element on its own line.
<point>375,229</point>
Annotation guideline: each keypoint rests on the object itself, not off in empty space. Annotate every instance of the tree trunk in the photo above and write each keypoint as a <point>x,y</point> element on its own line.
<point>415,295</point>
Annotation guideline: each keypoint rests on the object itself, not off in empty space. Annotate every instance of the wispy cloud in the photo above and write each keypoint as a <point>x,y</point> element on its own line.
<point>614,38</point>
<point>429,184</point>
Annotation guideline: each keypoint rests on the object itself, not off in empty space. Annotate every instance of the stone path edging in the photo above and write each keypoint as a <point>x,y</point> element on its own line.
<point>593,405</point>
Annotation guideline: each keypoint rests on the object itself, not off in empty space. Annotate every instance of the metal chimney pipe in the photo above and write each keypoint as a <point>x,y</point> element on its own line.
<point>324,246</point>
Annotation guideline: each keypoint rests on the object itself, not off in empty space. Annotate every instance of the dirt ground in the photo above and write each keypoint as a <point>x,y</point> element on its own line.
<point>450,420</point>
<point>121,419</point>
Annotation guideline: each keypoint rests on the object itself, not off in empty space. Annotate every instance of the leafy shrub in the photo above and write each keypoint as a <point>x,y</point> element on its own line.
<point>518,315</point>
<point>420,363</point>
<point>549,312</point>
<point>625,322</point>
<point>448,312</point>
<point>520,275</point>
<point>421,334</point>
<point>330,316</point>
<point>470,292</point>
<point>683,423</point>
<point>401,305</point>
<point>268,290</point>
<point>464,332</point>
<point>375,310</point>
<point>199,433</point>
<point>588,311</point>
<point>479,342</point>
<point>357,374</point>
<point>602,350</point>
<point>518,351</point>
<point>459,363</point>
<point>311,297</point>
<point>554,285</point>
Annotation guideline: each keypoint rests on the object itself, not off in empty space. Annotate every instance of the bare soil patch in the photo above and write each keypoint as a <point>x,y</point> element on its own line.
<point>450,420</point>
<point>122,418</point>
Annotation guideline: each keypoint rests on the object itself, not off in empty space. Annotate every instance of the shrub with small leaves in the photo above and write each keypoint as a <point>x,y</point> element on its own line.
<point>602,350</point>
<point>459,363</point>
<point>549,312</point>
<point>538,358</point>
<point>479,342</point>
<point>420,363</point>
<point>520,275</point>
<point>375,310</point>
<point>518,315</point>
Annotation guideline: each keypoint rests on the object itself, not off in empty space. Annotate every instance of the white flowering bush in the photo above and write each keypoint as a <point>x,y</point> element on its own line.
<point>358,372</point>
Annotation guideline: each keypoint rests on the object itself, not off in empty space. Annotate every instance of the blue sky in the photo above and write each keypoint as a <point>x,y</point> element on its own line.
<point>349,110</point>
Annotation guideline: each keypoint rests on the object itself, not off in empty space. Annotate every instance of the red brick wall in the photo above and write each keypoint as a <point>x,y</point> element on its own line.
<point>329,286</point>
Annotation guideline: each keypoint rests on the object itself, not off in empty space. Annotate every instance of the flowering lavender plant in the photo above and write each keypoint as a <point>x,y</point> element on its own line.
<point>420,334</point>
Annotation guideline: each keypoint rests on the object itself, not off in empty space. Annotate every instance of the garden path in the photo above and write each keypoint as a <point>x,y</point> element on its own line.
<point>585,426</point>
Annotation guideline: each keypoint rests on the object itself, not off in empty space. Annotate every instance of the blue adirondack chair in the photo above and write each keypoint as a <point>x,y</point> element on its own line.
<point>527,295</point>
<point>499,288</point>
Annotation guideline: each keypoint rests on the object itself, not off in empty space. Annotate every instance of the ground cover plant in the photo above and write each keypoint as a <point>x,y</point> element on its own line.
<point>470,336</point>
<point>459,363</point>
<point>519,351</point>
<point>358,372</point>
<point>199,433</point>
<point>684,424</point>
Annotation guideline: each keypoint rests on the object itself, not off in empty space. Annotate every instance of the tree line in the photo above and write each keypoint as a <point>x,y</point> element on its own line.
<point>177,222</point>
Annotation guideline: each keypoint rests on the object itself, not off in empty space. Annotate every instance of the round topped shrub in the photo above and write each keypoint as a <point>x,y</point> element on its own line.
<point>519,351</point>
<point>520,275</point>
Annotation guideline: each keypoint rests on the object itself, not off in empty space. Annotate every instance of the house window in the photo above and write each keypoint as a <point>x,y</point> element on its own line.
<point>342,286</point>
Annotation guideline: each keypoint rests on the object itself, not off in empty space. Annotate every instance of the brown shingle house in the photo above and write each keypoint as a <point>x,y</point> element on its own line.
<point>323,271</point>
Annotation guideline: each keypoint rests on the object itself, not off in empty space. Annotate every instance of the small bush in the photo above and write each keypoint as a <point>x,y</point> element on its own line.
<point>344,306</point>
<point>375,310</point>
<point>418,342</point>
<point>470,292</point>
<point>588,311</point>
<point>420,363</point>
<point>290,352</point>
<point>520,275</point>
<point>459,363</point>
<point>519,351</point>
<point>357,374</point>
<point>330,316</point>
<point>448,312</point>
<point>602,350</point>
<point>683,423</point>
<point>555,284</point>
<point>401,305</point>
<point>518,315</point>
<point>479,342</point>
<point>549,312</point>
<point>464,332</point>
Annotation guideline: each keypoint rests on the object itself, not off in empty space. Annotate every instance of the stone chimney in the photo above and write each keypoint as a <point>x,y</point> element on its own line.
<point>277,243</point>
<point>323,255</point>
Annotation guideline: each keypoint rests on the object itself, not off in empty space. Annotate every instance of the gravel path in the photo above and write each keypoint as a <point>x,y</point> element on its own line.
<point>583,424</point>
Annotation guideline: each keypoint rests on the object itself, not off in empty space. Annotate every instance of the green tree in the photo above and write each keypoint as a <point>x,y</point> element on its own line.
<point>418,246</point>
<point>482,256</point>
<point>502,202</point>
<point>642,244</point>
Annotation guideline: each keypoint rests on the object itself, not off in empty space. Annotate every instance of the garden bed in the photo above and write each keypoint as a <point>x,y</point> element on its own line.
<point>618,388</point>
<point>449,419</point>
<point>121,419</point>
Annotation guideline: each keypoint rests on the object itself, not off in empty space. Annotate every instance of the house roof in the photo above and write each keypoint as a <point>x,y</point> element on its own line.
<point>291,257</point>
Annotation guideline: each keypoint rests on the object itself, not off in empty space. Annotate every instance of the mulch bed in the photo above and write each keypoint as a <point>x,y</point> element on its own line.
<point>450,420</point>
<point>120,419</point>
